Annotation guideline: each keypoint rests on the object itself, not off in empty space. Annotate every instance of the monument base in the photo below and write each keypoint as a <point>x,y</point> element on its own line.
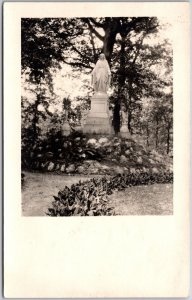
<point>98,120</point>
<point>124,131</point>
<point>65,129</point>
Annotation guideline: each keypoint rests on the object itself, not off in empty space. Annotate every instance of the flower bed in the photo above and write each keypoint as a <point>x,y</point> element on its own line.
<point>90,198</point>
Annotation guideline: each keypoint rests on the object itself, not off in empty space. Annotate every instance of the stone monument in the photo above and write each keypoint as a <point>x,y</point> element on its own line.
<point>124,131</point>
<point>65,128</point>
<point>98,120</point>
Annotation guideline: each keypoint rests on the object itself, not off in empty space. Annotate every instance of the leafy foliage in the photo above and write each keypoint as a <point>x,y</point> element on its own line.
<point>90,198</point>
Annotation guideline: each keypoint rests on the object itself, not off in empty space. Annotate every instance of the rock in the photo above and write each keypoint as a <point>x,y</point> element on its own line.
<point>154,153</point>
<point>155,171</point>
<point>65,145</point>
<point>104,167</point>
<point>103,140</point>
<point>88,162</point>
<point>70,168</point>
<point>139,153</point>
<point>97,145</point>
<point>49,154</point>
<point>127,152</point>
<point>123,159</point>
<point>78,128</point>
<point>43,165</point>
<point>119,170</point>
<point>128,144</point>
<point>92,141</point>
<point>151,161</point>
<point>57,167</point>
<point>144,170</point>
<point>115,139</point>
<point>79,149</point>
<point>97,164</point>
<point>113,159</point>
<point>92,170</point>
<point>50,166</point>
<point>62,168</point>
<point>109,150</point>
<point>116,144</point>
<point>139,160</point>
<point>80,169</point>
<point>77,139</point>
<point>132,171</point>
<point>39,155</point>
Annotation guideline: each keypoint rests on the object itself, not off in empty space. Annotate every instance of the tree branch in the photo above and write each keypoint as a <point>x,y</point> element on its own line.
<point>92,29</point>
<point>97,24</point>
<point>93,45</point>
<point>77,64</point>
<point>79,52</point>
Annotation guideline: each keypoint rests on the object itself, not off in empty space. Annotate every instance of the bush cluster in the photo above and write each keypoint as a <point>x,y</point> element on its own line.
<point>57,149</point>
<point>89,198</point>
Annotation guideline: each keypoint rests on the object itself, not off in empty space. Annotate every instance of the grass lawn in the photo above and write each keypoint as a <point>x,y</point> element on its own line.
<point>40,188</point>
<point>156,199</point>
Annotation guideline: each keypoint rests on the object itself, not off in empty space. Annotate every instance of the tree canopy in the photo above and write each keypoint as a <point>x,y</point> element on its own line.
<point>141,69</point>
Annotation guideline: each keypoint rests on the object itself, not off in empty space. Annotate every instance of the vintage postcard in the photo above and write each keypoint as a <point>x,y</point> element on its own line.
<point>96,149</point>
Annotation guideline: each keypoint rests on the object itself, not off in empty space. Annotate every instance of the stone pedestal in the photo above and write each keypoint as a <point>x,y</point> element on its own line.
<point>65,129</point>
<point>98,120</point>
<point>124,131</point>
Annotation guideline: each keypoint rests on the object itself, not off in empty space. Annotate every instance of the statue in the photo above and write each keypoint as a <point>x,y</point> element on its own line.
<point>101,75</point>
<point>98,118</point>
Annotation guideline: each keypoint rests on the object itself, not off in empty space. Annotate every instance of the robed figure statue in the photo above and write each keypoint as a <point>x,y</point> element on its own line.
<point>101,75</point>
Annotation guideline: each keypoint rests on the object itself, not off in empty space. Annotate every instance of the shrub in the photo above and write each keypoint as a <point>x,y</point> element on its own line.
<point>89,198</point>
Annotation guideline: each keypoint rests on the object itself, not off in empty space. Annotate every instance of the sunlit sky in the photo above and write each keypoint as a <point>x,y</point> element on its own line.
<point>66,85</point>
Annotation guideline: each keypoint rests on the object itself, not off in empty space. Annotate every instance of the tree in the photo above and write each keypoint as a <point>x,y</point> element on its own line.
<point>77,42</point>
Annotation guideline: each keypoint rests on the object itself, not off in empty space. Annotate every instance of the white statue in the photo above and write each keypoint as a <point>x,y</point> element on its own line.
<point>101,75</point>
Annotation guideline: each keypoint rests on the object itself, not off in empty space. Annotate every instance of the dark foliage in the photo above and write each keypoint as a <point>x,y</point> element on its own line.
<point>57,148</point>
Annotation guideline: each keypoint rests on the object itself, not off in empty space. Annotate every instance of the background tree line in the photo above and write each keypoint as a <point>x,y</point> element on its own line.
<point>141,70</point>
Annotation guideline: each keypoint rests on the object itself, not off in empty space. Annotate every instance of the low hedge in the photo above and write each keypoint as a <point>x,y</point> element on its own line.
<point>90,198</point>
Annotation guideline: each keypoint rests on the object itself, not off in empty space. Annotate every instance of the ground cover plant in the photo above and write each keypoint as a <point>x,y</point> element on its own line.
<point>90,198</point>
<point>82,154</point>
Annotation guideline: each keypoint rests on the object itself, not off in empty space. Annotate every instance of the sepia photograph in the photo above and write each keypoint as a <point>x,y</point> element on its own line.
<point>96,125</point>
<point>97,116</point>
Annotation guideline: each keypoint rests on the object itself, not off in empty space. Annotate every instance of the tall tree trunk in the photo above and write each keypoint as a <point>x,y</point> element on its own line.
<point>35,119</point>
<point>129,113</point>
<point>109,41</point>
<point>121,85</point>
<point>147,129</point>
<point>157,134</point>
<point>168,139</point>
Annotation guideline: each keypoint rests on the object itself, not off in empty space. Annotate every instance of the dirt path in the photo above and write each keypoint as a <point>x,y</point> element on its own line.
<point>40,188</point>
